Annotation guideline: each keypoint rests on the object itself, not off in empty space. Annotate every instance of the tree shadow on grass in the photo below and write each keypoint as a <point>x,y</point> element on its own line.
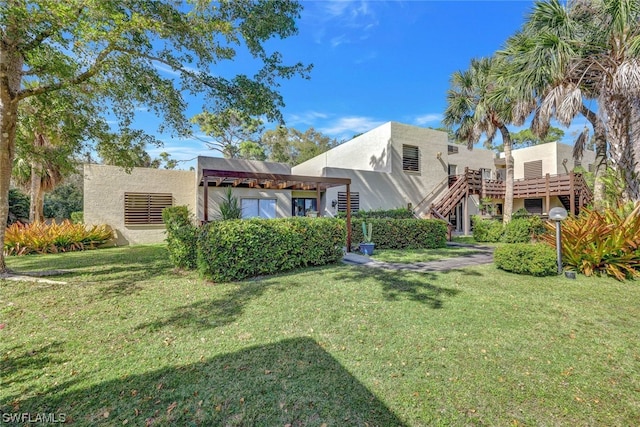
<point>291,382</point>
<point>225,309</point>
<point>396,285</point>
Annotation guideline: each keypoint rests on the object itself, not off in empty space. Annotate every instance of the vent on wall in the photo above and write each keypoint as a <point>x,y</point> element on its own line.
<point>410,158</point>
<point>145,208</point>
<point>533,169</point>
<point>342,201</point>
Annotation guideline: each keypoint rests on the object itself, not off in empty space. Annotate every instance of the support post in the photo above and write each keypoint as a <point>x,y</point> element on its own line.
<point>205,208</point>
<point>318,199</point>
<point>572,194</point>
<point>348,217</point>
<point>547,191</point>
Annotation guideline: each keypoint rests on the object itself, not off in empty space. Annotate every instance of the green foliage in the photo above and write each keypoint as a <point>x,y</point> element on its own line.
<point>400,213</point>
<point>18,206</point>
<point>77,217</point>
<point>234,250</point>
<point>367,230</point>
<point>291,146</point>
<point>43,238</point>
<point>403,233</point>
<point>521,229</point>
<point>537,259</point>
<point>63,201</point>
<point>230,206</point>
<point>605,242</point>
<point>230,131</point>
<point>486,230</point>
<point>181,236</point>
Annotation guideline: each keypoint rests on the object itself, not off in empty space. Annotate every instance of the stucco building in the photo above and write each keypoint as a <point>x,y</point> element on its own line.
<point>392,166</point>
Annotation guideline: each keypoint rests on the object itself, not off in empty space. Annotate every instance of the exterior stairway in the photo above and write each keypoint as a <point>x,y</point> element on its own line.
<point>571,189</point>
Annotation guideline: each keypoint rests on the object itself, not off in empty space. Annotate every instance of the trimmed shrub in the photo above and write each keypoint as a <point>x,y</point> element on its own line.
<point>486,230</point>
<point>518,230</point>
<point>181,236</point>
<point>238,249</point>
<point>42,238</point>
<point>605,242</point>
<point>534,259</point>
<point>400,213</point>
<point>402,233</point>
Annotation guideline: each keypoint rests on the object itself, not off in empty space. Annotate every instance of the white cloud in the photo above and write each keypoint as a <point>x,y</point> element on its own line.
<point>427,118</point>
<point>335,16</point>
<point>308,118</point>
<point>348,126</point>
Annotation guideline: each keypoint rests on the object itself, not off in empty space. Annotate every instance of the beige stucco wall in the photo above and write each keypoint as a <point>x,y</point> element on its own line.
<point>104,188</point>
<point>373,161</point>
<point>283,197</point>
<point>368,152</point>
<point>552,154</point>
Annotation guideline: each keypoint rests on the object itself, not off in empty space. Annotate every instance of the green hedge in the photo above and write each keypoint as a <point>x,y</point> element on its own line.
<point>537,259</point>
<point>402,233</point>
<point>238,249</point>
<point>519,230</point>
<point>181,236</point>
<point>400,213</point>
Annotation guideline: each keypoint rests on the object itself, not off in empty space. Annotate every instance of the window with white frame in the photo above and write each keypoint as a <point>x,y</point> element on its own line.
<point>258,208</point>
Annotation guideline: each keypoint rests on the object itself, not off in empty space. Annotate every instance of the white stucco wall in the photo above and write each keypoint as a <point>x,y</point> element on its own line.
<point>552,154</point>
<point>104,188</point>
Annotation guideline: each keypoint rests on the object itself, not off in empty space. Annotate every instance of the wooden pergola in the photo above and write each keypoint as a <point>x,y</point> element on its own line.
<point>271,181</point>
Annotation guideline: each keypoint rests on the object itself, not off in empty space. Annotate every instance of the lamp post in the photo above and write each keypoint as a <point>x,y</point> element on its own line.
<point>558,215</point>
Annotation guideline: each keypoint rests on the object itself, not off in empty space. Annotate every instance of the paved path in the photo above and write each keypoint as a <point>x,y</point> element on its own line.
<point>483,256</point>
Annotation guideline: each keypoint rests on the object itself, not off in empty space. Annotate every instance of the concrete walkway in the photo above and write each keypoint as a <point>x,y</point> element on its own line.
<point>483,256</point>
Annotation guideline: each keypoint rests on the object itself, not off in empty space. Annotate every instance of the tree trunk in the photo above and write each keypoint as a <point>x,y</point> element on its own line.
<point>10,77</point>
<point>600,165</point>
<point>35,190</point>
<point>507,210</point>
<point>618,110</point>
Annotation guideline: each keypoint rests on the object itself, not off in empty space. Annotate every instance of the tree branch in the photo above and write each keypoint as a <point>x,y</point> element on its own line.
<point>82,77</point>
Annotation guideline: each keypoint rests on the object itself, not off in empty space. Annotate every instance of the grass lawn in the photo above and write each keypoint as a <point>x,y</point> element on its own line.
<point>128,341</point>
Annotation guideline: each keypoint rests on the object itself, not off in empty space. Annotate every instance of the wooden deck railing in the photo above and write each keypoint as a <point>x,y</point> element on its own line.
<point>571,186</point>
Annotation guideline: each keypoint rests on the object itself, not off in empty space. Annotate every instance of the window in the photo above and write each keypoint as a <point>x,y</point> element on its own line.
<point>145,208</point>
<point>533,206</point>
<point>410,158</point>
<point>486,173</point>
<point>258,208</point>
<point>302,206</point>
<point>342,201</point>
<point>452,149</point>
<point>533,169</point>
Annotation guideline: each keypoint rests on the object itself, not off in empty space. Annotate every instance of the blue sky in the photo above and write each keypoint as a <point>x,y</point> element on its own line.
<point>374,62</point>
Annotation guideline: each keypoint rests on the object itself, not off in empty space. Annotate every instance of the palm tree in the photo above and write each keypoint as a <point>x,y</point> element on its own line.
<point>477,104</point>
<point>587,50</point>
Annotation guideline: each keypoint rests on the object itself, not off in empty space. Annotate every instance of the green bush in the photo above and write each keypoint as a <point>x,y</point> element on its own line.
<point>237,249</point>
<point>181,236</point>
<point>400,213</point>
<point>77,217</point>
<point>18,206</point>
<point>518,230</point>
<point>534,259</point>
<point>402,233</point>
<point>486,230</point>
